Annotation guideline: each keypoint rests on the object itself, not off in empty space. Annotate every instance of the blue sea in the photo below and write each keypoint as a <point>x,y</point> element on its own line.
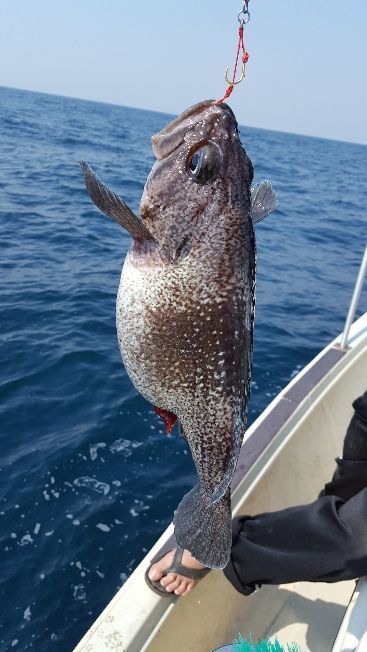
<point>88,479</point>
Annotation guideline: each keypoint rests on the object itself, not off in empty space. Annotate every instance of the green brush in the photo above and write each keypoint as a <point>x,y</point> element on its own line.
<point>240,645</point>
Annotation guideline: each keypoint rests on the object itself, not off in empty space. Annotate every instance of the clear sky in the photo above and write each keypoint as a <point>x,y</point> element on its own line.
<point>306,73</point>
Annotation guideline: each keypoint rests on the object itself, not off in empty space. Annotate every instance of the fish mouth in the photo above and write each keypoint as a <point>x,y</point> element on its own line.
<point>173,135</point>
<point>189,113</point>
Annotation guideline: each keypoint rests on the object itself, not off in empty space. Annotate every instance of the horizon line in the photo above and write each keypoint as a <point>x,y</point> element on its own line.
<point>138,108</point>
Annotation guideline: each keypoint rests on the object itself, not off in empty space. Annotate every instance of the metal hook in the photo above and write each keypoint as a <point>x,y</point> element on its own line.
<point>234,83</point>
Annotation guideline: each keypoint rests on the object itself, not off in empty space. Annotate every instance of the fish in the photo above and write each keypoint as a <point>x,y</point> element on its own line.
<point>186,300</point>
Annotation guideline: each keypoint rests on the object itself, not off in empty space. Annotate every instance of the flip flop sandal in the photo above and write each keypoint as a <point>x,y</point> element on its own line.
<point>176,567</point>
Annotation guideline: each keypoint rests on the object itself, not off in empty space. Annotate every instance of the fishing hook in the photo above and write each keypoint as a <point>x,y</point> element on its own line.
<point>234,83</point>
<point>243,18</point>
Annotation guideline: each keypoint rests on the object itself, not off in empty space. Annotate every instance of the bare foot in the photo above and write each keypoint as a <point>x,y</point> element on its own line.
<point>174,583</point>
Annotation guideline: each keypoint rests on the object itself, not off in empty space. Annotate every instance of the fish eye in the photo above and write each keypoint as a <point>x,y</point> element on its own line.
<point>204,164</point>
<point>195,163</point>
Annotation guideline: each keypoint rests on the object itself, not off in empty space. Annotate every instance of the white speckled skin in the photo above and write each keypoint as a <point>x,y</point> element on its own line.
<point>184,319</point>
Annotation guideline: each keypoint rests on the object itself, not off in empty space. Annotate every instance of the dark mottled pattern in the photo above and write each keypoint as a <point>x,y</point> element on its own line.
<point>88,479</point>
<point>185,327</point>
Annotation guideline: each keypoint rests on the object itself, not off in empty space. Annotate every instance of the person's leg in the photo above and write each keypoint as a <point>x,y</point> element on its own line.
<point>350,475</point>
<point>323,541</point>
<point>267,543</point>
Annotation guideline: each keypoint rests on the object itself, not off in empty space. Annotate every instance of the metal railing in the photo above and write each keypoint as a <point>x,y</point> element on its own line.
<point>355,299</point>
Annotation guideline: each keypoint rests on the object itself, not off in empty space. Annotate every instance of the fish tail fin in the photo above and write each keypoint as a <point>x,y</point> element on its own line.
<point>204,528</point>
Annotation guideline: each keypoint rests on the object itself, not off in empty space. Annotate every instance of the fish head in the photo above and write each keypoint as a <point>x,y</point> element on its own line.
<point>201,170</point>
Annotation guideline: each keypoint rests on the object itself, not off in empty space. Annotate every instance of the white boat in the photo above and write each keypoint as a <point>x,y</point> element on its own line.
<point>287,456</point>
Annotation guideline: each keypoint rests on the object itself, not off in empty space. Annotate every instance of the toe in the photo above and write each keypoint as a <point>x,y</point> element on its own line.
<point>158,569</point>
<point>168,579</point>
<point>180,589</point>
<point>188,588</point>
<point>173,585</point>
<point>154,575</point>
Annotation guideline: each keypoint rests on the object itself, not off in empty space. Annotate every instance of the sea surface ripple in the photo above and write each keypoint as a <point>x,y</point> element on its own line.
<point>88,480</point>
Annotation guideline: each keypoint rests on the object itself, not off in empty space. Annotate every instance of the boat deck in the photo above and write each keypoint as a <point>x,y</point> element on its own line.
<point>307,613</point>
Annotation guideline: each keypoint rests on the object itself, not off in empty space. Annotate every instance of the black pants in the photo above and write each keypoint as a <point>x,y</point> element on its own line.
<point>324,541</point>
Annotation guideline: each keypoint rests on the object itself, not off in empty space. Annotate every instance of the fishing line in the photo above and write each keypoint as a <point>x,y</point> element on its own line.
<point>243,18</point>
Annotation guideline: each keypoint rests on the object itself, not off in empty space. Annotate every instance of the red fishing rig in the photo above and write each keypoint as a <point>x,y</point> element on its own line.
<point>243,18</point>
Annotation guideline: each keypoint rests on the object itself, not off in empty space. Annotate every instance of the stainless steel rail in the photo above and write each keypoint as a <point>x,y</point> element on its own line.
<point>355,300</point>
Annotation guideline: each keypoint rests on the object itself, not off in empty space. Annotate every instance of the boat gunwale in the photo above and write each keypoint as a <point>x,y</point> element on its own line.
<point>282,410</point>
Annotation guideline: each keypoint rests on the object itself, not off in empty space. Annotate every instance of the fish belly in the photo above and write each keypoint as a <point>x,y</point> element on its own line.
<point>186,345</point>
<point>145,328</point>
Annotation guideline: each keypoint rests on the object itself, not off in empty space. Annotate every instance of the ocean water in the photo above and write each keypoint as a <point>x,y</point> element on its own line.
<point>88,479</point>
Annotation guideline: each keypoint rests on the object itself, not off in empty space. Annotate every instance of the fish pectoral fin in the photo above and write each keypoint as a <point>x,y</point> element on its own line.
<point>112,205</point>
<point>263,201</point>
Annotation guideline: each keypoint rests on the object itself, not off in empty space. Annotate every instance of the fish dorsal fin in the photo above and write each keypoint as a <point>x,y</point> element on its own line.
<point>112,205</point>
<point>263,201</point>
